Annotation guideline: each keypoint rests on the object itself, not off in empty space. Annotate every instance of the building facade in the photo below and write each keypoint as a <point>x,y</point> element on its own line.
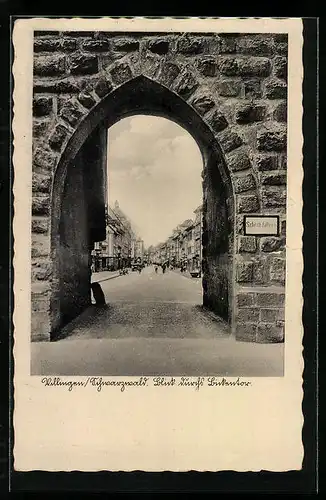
<point>139,249</point>
<point>183,248</point>
<point>118,249</point>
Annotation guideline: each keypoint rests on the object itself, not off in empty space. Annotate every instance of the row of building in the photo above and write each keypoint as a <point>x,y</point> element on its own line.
<point>121,246</point>
<point>183,248</point>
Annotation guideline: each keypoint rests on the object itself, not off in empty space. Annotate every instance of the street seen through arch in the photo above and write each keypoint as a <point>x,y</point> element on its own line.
<point>175,252</point>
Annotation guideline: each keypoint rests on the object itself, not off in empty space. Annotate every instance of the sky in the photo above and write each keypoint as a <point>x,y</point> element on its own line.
<point>154,171</point>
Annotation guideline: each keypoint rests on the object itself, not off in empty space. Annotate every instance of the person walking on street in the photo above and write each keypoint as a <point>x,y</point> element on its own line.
<point>156,269</point>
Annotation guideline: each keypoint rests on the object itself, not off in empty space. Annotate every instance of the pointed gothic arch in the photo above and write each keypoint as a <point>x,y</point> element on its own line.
<point>142,95</point>
<point>77,96</point>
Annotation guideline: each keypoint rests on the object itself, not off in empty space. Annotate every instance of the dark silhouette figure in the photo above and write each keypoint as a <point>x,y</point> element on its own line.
<point>98,294</point>
<point>163,268</point>
<point>156,269</point>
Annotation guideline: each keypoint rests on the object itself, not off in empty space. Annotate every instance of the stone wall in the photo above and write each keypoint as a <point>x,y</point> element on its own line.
<point>73,292</point>
<point>237,84</point>
<point>217,243</point>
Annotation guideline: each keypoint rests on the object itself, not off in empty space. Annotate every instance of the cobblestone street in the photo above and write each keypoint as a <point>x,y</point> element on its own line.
<point>153,324</point>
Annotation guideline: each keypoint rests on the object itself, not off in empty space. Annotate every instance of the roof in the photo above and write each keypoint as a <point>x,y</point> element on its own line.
<point>187,223</point>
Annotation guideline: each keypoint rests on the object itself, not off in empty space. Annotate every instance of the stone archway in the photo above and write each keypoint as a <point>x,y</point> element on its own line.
<point>81,162</point>
<point>83,93</point>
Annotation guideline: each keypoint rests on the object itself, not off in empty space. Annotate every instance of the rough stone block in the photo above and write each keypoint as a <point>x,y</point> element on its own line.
<point>86,100</point>
<point>238,160</point>
<point>281,47</point>
<point>187,85</point>
<point>46,44</point>
<point>266,162</point>
<point>247,203</point>
<point>252,89</point>
<point>277,270</point>
<point>44,159</point>
<point>244,183</point>
<point>245,299</point>
<point>49,65</point>
<point>40,327</point>
<point>255,46</point>
<point>41,269</point>
<point>42,106</point>
<point>40,204</point>
<point>65,86</point>
<point>270,333</point>
<point>168,73</point>
<point>283,162</point>
<point>271,244</point>
<point>271,140</point>
<point>54,44</point>
<point>159,46</point>
<point>227,45</point>
<point>125,45</point>
<point>102,87</point>
<point>40,245</point>
<point>270,299</point>
<point>121,73</point>
<point>280,112</point>
<point>82,64</point>
<point>229,140</point>
<point>98,45</point>
<point>280,315</point>
<point>250,66</point>
<point>269,315</point>
<point>281,67</point>
<point>248,314</point>
<point>40,128</point>
<point>273,198</point>
<point>217,121</point>
<point>245,272</point>
<point>58,137</point>
<point>40,303</point>
<point>277,179</point>
<point>71,113</point>
<point>275,89</point>
<point>250,114</point>
<point>207,67</point>
<point>281,37</point>
<point>190,46</point>
<point>203,104</point>
<point>229,88</point>
<point>68,45</point>
<point>41,182</point>
<point>260,272</point>
<point>247,244</point>
<point>283,227</point>
<point>40,225</point>
<point>246,332</point>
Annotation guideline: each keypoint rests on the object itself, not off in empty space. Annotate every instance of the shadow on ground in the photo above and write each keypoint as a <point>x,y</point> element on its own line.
<point>145,320</point>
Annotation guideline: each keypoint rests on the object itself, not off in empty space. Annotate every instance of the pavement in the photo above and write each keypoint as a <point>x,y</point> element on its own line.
<point>186,274</point>
<point>103,276</point>
<point>153,324</point>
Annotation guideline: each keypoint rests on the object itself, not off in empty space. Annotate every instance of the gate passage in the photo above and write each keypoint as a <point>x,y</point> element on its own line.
<point>229,92</point>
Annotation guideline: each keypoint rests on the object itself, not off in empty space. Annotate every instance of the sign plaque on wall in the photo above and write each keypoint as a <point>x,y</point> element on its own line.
<point>261,225</point>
